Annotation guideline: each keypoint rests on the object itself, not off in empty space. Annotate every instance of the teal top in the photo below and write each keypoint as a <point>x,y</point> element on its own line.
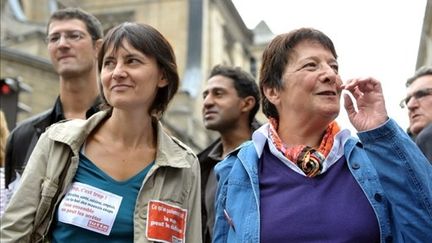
<point>122,230</point>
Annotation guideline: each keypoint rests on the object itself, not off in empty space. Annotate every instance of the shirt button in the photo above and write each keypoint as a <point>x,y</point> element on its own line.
<point>389,239</point>
<point>378,197</point>
<point>355,166</point>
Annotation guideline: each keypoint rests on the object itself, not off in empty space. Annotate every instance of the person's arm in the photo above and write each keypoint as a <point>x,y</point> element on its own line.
<point>19,147</point>
<point>406,177</point>
<point>18,219</point>
<point>10,162</point>
<point>403,171</point>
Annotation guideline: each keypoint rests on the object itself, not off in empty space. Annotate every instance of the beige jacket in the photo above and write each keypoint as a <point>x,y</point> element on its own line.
<point>174,179</point>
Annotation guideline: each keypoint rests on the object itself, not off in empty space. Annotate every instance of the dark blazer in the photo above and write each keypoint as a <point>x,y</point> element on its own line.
<point>23,138</point>
<point>424,141</point>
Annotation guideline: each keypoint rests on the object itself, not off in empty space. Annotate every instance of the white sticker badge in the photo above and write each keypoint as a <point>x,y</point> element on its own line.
<point>90,208</point>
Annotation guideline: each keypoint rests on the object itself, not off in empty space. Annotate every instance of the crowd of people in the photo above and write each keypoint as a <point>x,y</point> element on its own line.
<point>100,166</point>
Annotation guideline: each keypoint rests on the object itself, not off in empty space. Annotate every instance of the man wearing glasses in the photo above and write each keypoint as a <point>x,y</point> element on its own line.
<point>73,40</point>
<point>419,104</point>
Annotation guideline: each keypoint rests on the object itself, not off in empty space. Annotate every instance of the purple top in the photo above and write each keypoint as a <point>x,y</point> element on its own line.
<point>330,207</point>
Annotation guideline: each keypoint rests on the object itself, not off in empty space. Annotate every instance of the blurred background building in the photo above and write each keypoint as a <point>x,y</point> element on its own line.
<point>424,57</point>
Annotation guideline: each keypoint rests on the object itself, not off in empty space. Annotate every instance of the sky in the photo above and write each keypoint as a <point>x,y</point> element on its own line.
<point>376,38</point>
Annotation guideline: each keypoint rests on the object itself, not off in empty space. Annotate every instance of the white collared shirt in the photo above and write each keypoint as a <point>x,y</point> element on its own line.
<point>261,136</point>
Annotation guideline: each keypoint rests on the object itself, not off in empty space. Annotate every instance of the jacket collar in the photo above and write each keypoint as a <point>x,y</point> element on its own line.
<point>170,151</point>
<point>249,158</point>
<point>56,114</point>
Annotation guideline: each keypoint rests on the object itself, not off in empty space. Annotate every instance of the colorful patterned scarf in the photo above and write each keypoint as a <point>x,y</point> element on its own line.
<point>308,159</point>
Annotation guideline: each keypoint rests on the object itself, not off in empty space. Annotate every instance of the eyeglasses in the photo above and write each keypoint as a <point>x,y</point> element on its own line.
<point>70,36</point>
<point>417,95</point>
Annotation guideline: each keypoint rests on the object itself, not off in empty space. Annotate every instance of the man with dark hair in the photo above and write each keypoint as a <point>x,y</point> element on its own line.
<point>419,104</point>
<point>73,40</point>
<point>231,101</point>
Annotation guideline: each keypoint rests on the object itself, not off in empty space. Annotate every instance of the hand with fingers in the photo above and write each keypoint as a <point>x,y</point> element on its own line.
<point>371,111</point>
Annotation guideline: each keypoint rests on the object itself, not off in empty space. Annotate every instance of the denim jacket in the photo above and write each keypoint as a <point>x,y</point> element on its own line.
<point>392,172</point>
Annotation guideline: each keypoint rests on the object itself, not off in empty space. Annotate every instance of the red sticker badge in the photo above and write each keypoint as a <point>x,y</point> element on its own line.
<point>166,223</point>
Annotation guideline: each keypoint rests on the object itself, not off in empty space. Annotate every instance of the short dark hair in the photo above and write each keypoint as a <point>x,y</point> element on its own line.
<point>423,71</point>
<point>152,43</point>
<point>244,84</point>
<point>94,27</point>
<point>276,57</point>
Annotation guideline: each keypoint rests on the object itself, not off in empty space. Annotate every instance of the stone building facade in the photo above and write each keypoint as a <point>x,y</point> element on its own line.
<point>424,57</point>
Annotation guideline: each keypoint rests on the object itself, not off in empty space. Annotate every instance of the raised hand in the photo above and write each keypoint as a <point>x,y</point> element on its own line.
<point>371,111</point>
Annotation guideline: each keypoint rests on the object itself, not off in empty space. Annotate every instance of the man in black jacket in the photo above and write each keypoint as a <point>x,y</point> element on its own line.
<point>73,40</point>
<point>231,101</point>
